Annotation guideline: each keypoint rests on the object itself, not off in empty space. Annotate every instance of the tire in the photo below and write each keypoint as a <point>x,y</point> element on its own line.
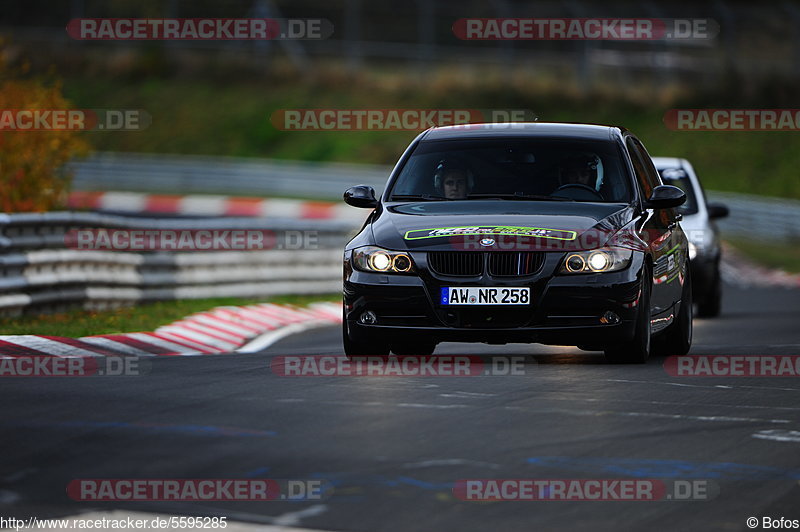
<point>677,339</point>
<point>637,350</point>
<point>356,348</point>
<point>422,349</point>
<point>711,305</point>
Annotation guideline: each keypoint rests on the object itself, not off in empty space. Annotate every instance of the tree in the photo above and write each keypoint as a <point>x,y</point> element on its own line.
<point>32,175</point>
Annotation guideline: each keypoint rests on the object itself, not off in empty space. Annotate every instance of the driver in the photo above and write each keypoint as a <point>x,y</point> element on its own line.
<point>578,170</point>
<point>453,180</point>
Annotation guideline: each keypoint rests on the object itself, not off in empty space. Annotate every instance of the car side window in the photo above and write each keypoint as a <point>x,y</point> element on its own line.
<point>646,172</point>
<point>651,174</point>
<point>645,186</point>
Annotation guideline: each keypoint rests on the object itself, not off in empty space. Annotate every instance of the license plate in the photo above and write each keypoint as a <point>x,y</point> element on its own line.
<point>482,295</point>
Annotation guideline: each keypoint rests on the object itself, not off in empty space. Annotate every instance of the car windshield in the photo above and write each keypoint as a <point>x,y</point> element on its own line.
<point>679,178</point>
<point>532,169</point>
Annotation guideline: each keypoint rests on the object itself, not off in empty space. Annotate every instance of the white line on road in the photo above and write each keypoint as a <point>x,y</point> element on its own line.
<point>268,338</point>
<point>707,386</point>
<point>448,462</point>
<point>778,435</point>
<point>670,403</point>
<point>595,413</point>
<point>377,403</point>
<point>467,395</point>
<point>294,518</point>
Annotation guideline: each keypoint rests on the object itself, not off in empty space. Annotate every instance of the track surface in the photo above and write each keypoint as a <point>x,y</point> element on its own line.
<point>394,446</point>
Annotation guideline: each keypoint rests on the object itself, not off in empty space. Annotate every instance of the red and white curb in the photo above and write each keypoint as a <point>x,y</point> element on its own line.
<point>220,330</point>
<point>198,205</point>
<point>742,272</point>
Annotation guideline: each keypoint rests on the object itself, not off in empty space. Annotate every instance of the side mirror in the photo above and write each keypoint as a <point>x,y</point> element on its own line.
<point>361,196</point>
<point>666,197</point>
<point>717,210</point>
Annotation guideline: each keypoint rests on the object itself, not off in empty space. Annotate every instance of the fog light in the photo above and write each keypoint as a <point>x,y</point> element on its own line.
<point>368,318</point>
<point>610,318</point>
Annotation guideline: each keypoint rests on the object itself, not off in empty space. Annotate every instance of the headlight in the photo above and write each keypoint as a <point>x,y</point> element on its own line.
<point>692,251</point>
<point>375,259</point>
<point>597,261</point>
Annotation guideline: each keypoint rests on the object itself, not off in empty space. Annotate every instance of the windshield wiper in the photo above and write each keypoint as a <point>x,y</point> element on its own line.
<point>520,197</point>
<point>423,197</point>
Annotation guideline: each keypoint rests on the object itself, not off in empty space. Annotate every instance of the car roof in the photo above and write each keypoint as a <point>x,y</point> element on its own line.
<point>525,129</point>
<point>668,162</point>
<point>662,163</point>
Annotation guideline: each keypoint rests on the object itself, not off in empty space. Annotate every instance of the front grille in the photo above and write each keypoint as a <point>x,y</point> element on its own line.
<point>458,263</point>
<point>471,264</point>
<point>514,263</point>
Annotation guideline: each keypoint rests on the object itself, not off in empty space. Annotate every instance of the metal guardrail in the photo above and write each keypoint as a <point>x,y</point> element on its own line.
<point>48,230</point>
<point>38,272</point>
<point>753,216</point>
<point>230,176</point>
<point>760,217</point>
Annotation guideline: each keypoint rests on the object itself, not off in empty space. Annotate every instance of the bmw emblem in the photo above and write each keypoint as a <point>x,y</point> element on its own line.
<point>487,242</point>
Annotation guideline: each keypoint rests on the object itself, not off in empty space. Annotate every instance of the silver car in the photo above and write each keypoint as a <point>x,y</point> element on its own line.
<point>698,224</point>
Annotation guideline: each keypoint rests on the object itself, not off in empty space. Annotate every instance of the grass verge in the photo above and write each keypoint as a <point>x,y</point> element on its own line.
<point>147,317</point>
<point>782,257</point>
<point>233,118</point>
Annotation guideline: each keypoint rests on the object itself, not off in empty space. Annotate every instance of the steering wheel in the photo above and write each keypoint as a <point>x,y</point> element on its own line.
<point>579,187</point>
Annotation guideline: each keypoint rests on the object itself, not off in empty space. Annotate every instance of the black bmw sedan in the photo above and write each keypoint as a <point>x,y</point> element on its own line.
<point>560,234</point>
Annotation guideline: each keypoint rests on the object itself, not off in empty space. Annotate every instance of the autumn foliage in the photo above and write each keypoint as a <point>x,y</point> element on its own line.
<point>31,162</point>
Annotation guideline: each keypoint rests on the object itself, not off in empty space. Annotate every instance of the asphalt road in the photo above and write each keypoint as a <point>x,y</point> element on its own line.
<point>393,447</point>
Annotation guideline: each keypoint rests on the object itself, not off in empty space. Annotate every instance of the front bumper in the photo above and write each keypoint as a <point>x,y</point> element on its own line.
<point>565,309</point>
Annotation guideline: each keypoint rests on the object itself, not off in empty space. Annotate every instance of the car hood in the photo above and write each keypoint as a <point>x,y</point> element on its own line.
<point>533,224</point>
